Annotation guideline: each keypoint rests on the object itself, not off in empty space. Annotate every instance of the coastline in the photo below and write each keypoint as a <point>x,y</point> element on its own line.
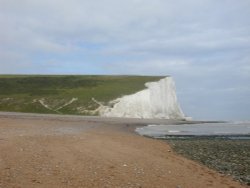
<point>74,151</point>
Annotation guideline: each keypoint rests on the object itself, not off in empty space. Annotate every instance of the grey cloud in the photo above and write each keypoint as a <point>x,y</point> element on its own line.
<point>203,44</point>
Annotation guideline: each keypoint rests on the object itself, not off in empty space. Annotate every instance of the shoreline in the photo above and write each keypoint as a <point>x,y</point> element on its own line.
<point>52,151</point>
<point>103,119</point>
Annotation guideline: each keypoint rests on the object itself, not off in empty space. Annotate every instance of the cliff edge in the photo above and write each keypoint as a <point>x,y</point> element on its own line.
<point>158,100</point>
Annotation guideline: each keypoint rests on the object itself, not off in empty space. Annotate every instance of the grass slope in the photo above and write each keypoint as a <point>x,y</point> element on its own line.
<point>64,94</point>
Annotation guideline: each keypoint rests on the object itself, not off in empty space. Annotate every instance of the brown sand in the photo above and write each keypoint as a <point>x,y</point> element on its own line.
<point>53,151</point>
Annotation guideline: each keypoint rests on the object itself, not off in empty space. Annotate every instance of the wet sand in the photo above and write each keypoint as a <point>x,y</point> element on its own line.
<point>73,151</point>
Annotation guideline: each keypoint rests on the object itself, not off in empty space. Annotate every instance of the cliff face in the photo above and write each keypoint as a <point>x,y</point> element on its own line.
<point>158,100</point>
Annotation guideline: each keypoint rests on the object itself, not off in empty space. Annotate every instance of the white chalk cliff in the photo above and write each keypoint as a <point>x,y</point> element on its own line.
<point>158,100</point>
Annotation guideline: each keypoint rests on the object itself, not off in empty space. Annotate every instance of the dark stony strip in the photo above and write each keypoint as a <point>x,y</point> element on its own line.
<point>230,157</point>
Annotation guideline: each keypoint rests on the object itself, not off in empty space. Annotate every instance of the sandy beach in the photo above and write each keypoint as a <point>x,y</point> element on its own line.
<point>74,151</point>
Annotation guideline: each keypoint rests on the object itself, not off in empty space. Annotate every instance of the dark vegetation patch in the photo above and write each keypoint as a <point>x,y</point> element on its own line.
<point>43,85</point>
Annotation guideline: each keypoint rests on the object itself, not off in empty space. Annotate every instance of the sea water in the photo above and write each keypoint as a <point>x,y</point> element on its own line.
<point>230,130</point>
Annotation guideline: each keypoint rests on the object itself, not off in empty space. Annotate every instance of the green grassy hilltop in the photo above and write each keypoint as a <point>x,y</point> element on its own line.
<point>65,94</point>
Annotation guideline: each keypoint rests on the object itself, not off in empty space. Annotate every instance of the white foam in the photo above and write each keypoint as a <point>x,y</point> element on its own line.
<point>173,131</point>
<point>152,125</point>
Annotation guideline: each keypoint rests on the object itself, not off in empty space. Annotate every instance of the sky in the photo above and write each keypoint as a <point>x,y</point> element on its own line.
<point>204,45</point>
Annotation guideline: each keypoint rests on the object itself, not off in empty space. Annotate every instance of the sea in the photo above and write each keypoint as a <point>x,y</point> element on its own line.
<point>228,130</point>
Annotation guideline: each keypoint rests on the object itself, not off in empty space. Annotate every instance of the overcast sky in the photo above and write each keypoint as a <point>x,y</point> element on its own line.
<point>204,45</point>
